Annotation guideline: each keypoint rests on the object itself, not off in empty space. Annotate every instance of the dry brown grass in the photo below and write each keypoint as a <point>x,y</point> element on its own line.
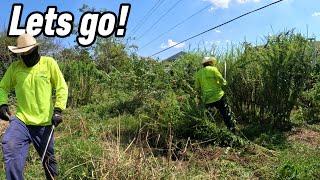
<point>3,126</point>
<point>305,136</point>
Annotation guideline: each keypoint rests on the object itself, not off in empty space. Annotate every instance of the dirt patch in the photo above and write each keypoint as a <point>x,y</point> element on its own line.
<point>208,153</point>
<point>305,136</point>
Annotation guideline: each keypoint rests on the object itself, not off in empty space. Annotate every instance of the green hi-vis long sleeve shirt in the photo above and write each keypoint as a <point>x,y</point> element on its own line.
<point>33,88</point>
<point>210,81</point>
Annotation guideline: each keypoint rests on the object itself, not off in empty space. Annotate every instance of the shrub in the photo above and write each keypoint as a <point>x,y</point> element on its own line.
<point>267,80</point>
<point>84,80</point>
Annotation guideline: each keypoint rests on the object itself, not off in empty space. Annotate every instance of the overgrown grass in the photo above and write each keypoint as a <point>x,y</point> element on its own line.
<point>89,149</point>
<point>140,119</point>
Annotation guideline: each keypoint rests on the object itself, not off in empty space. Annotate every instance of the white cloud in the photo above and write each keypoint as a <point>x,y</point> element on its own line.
<point>217,31</point>
<point>316,14</point>
<point>172,43</point>
<point>246,1</point>
<point>225,3</point>
<point>220,3</point>
<point>212,9</point>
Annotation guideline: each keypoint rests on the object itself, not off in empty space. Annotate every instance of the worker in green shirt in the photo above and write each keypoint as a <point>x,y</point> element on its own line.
<point>33,78</point>
<point>209,82</point>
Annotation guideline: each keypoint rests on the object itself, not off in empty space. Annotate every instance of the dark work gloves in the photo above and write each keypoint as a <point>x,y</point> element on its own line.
<point>4,112</point>
<point>57,117</point>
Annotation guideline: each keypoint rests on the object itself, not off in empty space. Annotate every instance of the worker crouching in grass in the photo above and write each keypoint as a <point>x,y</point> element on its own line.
<point>209,82</point>
<point>33,78</point>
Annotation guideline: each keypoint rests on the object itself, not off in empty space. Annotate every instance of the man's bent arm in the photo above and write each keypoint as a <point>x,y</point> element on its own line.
<point>6,85</point>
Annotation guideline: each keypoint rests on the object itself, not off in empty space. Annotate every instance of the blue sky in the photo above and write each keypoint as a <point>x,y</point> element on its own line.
<point>303,15</point>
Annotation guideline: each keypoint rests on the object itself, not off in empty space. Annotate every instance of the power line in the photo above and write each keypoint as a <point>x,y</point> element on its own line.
<point>172,28</point>
<point>161,17</point>
<point>145,18</point>
<point>250,12</point>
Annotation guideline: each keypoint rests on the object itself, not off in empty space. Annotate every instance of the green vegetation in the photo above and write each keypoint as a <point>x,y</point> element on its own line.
<point>138,118</point>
